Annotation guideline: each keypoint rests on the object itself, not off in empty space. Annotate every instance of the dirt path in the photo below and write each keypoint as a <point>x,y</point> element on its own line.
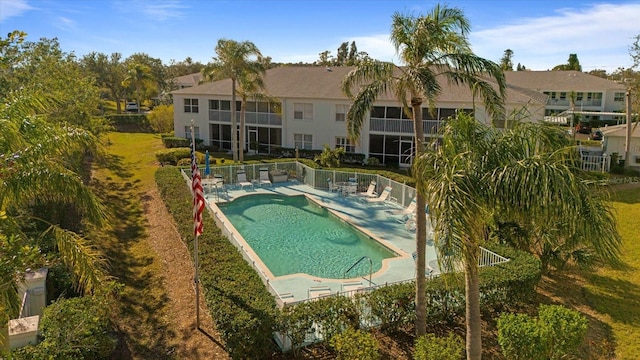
<point>178,282</point>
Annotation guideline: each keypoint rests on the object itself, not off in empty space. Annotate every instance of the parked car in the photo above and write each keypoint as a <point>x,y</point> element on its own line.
<point>131,106</point>
<point>597,135</point>
<point>583,128</point>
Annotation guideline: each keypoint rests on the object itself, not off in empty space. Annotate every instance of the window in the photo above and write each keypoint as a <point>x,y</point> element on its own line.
<point>563,96</point>
<point>225,105</point>
<point>303,111</point>
<point>341,112</point>
<point>377,112</point>
<point>579,96</point>
<point>187,132</point>
<point>214,105</point>
<point>191,105</point>
<point>619,96</point>
<point>343,142</point>
<point>303,141</point>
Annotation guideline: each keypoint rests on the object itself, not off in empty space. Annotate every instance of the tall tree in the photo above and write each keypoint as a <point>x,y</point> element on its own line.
<point>109,72</point>
<point>234,60</point>
<point>430,47</point>
<point>249,85</point>
<point>506,64</point>
<point>527,175</point>
<point>342,54</point>
<point>572,64</point>
<point>138,76</point>
<point>352,58</point>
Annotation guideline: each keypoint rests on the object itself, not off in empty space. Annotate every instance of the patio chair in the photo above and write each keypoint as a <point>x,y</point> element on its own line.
<point>403,215</point>
<point>383,197</point>
<point>352,286</point>
<point>264,177</point>
<point>242,180</point>
<point>315,292</point>
<point>332,186</point>
<point>371,191</point>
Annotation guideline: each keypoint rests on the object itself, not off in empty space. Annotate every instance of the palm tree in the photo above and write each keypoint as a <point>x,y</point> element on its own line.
<point>430,47</point>
<point>250,85</point>
<point>35,156</point>
<point>525,175</point>
<point>234,62</point>
<point>138,76</point>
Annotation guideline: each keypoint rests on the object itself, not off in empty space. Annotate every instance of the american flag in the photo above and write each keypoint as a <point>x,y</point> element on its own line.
<point>198,195</point>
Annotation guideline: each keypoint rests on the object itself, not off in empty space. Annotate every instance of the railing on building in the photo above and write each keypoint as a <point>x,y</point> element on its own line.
<point>404,126</point>
<point>251,118</point>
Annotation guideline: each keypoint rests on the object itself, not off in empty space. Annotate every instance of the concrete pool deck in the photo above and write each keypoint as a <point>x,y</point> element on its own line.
<point>372,218</point>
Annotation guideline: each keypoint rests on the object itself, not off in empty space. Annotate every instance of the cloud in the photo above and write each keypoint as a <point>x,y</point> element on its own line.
<point>65,24</point>
<point>596,33</point>
<point>163,10</point>
<point>11,8</point>
<point>377,46</point>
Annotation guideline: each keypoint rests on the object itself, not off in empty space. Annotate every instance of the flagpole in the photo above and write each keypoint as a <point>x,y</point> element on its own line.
<point>196,279</point>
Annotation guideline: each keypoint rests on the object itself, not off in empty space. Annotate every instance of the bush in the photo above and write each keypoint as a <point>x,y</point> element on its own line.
<point>173,156</point>
<point>161,118</point>
<point>555,334</point>
<point>430,347</point>
<point>77,328</point>
<point>355,344</point>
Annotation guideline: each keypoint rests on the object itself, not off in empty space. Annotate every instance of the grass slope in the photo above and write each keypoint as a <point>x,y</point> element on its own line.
<point>615,293</point>
<point>122,178</point>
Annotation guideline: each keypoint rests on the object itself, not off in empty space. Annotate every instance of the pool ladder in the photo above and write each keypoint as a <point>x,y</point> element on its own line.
<point>344,276</point>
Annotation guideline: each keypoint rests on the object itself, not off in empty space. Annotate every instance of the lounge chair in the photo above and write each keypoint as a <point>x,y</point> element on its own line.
<point>383,197</point>
<point>264,177</point>
<point>315,292</point>
<point>428,269</point>
<point>403,215</point>
<point>352,286</point>
<point>371,191</point>
<point>242,180</point>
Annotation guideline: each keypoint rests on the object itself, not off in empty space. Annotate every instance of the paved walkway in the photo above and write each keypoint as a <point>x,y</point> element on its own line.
<point>373,219</point>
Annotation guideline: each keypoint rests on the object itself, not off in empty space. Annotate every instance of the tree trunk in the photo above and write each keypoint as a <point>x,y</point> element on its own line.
<point>234,122</point>
<point>472,290</point>
<point>242,141</point>
<point>421,226</point>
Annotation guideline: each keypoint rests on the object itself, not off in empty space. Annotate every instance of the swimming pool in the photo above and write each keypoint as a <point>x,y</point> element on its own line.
<point>293,235</point>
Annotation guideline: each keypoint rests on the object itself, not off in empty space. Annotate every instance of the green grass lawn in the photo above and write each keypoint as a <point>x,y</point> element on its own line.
<point>123,178</point>
<point>615,293</point>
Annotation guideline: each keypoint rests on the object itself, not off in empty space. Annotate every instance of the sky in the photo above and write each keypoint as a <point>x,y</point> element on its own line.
<point>541,33</point>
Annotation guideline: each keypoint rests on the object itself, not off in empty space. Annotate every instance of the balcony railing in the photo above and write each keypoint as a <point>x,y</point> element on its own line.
<point>404,126</point>
<point>251,118</point>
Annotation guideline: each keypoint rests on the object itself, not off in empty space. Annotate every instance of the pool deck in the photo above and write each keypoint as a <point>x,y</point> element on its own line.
<point>373,219</point>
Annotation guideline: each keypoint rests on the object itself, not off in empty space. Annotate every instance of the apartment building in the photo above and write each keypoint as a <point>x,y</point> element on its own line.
<point>312,109</point>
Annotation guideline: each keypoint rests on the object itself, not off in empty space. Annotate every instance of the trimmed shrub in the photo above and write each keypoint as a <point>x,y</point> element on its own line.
<point>172,156</point>
<point>130,122</point>
<point>430,347</point>
<point>555,334</point>
<point>355,344</point>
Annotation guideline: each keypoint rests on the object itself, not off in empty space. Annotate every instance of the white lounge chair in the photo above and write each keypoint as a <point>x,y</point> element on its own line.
<point>264,177</point>
<point>315,292</point>
<point>371,191</point>
<point>352,286</point>
<point>383,197</point>
<point>403,215</point>
<point>242,180</point>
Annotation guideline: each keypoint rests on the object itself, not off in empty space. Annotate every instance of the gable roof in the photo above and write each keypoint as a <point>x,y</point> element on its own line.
<point>189,80</point>
<point>560,81</point>
<point>314,82</point>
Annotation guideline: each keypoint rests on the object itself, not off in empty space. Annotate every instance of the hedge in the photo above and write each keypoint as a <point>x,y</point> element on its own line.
<point>130,122</point>
<point>243,310</point>
<point>178,142</point>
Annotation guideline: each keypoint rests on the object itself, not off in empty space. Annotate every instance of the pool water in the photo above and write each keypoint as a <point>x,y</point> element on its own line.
<point>293,235</point>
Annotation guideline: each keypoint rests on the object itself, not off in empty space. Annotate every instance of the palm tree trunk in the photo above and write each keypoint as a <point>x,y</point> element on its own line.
<point>242,141</point>
<point>472,290</point>
<point>421,226</point>
<point>234,122</point>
